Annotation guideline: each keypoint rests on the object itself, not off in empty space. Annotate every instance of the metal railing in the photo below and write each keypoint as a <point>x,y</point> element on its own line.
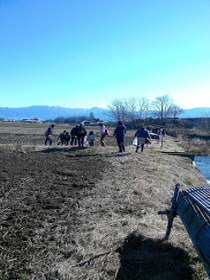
<point>193,208</point>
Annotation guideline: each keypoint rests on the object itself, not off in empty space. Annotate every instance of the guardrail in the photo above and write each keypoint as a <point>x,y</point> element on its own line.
<point>193,208</point>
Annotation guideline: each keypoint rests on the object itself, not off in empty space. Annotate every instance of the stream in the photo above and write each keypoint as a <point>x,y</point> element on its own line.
<point>203,164</point>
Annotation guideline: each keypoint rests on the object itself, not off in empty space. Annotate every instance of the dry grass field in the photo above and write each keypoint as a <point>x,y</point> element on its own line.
<point>196,141</point>
<point>74,213</point>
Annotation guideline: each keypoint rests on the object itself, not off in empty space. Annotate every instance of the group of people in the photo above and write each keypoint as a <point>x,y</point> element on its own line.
<point>142,135</point>
<point>78,136</point>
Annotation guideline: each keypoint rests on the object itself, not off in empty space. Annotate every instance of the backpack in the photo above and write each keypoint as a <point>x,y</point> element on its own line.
<point>81,130</point>
<point>106,131</point>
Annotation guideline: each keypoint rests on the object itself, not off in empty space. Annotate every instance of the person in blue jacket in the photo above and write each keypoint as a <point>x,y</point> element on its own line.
<point>142,134</point>
<point>119,133</point>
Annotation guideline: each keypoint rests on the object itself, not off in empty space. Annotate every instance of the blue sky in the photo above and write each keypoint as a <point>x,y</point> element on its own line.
<point>85,53</point>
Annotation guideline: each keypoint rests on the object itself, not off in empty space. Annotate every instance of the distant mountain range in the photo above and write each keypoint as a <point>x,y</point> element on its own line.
<point>52,112</point>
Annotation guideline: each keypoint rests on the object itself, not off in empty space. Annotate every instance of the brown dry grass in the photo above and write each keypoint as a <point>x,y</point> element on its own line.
<point>91,213</point>
<point>197,146</point>
<point>194,141</point>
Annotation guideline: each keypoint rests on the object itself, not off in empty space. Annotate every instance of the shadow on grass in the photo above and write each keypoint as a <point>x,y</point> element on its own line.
<point>101,155</point>
<point>150,259</point>
<point>63,149</point>
<point>73,149</point>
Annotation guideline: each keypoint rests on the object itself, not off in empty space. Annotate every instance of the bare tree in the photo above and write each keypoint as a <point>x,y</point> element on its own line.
<point>129,110</point>
<point>91,117</point>
<point>118,110</point>
<point>162,106</point>
<point>143,108</point>
<point>131,105</point>
<point>175,110</point>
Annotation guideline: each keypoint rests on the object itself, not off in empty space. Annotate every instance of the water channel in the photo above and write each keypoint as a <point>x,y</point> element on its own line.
<point>203,164</point>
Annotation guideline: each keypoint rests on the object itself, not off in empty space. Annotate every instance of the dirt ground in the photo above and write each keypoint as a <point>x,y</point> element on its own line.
<point>90,213</point>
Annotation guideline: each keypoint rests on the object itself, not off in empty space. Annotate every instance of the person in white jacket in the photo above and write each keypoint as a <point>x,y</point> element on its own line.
<point>91,138</point>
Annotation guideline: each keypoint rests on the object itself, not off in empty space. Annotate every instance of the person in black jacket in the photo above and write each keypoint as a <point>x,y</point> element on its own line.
<point>81,133</point>
<point>119,133</point>
<point>74,135</point>
<point>62,137</point>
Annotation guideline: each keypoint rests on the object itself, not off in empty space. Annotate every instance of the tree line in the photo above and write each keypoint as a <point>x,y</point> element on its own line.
<point>132,109</point>
<point>140,111</point>
<point>75,119</point>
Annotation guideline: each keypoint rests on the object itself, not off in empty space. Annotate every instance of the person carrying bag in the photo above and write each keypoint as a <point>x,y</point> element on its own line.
<point>142,138</point>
